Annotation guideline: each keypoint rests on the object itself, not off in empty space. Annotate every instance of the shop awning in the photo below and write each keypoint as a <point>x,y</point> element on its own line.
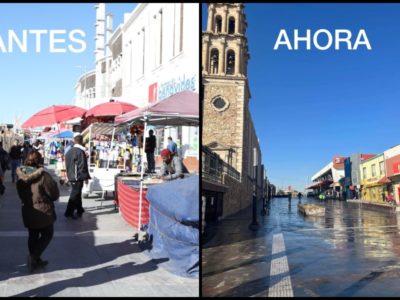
<point>181,109</point>
<point>371,184</point>
<point>319,184</point>
<point>385,180</point>
<point>102,129</point>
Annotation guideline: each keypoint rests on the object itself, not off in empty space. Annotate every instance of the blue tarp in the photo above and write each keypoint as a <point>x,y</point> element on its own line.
<point>65,134</point>
<point>174,225</point>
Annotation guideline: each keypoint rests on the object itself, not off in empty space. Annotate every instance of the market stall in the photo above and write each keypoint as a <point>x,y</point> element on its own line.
<point>103,155</point>
<point>177,110</point>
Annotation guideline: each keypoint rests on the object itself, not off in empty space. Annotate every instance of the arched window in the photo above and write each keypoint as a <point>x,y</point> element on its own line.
<point>218,24</point>
<point>230,62</point>
<point>231,25</point>
<point>214,59</point>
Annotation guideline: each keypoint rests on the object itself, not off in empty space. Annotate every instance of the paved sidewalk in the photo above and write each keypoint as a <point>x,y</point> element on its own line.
<point>91,256</point>
<point>374,204</point>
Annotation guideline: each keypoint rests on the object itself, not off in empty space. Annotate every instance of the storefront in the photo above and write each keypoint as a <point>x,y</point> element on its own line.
<point>392,163</point>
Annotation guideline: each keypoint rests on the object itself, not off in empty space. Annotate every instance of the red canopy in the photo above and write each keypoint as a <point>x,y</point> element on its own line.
<point>179,109</point>
<point>384,180</point>
<point>54,114</point>
<point>319,184</point>
<point>110,109</point>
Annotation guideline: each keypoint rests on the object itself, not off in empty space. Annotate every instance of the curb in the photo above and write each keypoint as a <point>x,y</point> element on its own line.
<point>376,206</point>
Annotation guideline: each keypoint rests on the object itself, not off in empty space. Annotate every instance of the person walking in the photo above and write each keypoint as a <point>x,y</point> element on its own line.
<point>77,173</point>
<point>15,155</point>
<point>149,148</point>
<point>27,148</point>
<point>37,191</point>
<point>4,166</point>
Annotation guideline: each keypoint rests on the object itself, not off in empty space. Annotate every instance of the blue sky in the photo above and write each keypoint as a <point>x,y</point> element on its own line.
<point>32,81</point>
<point>309,105</point>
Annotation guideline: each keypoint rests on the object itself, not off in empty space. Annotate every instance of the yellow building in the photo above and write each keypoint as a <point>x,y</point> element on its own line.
<point>372,171</point>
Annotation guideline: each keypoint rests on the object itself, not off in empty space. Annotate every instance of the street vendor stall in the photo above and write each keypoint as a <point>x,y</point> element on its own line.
<point>101,136</point>
<point>178,110</point>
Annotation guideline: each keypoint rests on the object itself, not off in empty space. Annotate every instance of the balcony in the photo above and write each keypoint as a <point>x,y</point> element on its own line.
<point>214,168</point>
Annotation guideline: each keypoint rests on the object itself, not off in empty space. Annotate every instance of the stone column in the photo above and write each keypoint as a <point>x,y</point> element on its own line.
<point>210,23</point>
<point>224,20</point>
<point>237,22</point>
<point>238,58</point>
<point>222,58</point>
<point>205,54</point>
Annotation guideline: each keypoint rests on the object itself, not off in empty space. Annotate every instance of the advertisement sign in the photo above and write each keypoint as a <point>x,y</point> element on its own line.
<point>153,93</point>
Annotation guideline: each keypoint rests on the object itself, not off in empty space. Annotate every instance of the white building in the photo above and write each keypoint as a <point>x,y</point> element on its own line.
<point>153,54</point>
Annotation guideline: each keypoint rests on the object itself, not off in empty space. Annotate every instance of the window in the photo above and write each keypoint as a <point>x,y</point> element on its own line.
<point>161,34</point>
<point>231,26</point>
<point>173,32</point>
<point>218,24</point>
<point>181,31</point>
<point>364,172</point>
<point>214,58</point>
<point>230,62</point>
<point>373,170</point>
<point>381,168</point>
<point>219,103</point>
<point>143,49</point>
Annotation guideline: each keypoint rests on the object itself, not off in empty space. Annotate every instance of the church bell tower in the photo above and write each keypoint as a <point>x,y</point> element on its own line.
<point>226,93</point>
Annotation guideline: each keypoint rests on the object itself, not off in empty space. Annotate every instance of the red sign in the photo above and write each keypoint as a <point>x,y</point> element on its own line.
<point>338,162</point>
<point>396,167</point>
<point>393,165</point>
<point>153,93</point>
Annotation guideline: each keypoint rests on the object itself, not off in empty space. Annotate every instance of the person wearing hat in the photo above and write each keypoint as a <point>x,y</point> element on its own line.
<point>172,167</point>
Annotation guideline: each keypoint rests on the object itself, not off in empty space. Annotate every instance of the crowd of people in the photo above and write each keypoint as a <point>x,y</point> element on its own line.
<point>38,190</point>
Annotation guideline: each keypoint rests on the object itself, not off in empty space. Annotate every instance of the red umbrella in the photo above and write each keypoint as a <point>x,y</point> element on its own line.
<point>54,114</point>
<point>110,109</point>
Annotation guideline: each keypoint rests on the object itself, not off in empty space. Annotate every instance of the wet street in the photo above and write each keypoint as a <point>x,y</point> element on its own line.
<point>351,251</point>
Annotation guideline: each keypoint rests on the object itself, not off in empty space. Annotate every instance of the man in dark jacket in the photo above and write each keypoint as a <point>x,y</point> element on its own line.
<point>15,155</point>
<point>37,191</point>
<point>4,165</point>
<point>77,173</point>
<point>149,148</point>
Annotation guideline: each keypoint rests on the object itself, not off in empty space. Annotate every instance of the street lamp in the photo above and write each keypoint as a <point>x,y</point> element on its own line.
<point>254,225</point>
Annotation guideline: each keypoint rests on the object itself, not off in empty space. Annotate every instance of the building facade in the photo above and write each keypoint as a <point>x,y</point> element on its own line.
<point>352,175</point>
<point>372,171</point>
<point>328,179</point>
<point>152,55</point>
<point>228,129</point>
<point>392,164</point>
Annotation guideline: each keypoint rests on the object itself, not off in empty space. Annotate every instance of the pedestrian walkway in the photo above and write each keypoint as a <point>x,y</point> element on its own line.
<point>348,252</point>
<point>374,204</point>
<point>92,256</point>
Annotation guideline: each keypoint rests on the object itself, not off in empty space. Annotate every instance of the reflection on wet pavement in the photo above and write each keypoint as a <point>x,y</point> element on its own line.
<point>351,251</point>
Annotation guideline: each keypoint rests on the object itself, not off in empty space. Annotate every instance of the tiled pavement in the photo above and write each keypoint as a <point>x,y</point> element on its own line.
<point>92,256</point>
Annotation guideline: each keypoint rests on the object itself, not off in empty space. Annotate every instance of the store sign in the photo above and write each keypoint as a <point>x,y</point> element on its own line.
<point>176,85</point>
<point>396,167</point>
<point>153,93</point>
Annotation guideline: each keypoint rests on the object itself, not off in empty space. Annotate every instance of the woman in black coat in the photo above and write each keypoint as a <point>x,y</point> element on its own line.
<point>37,191</point>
